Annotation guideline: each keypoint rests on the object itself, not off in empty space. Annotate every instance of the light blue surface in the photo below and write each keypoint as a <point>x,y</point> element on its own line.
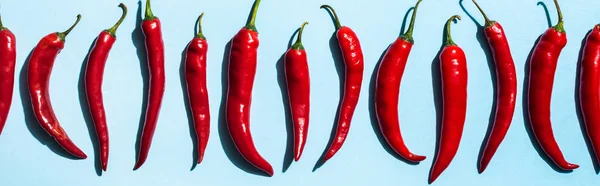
<point>25,160</point>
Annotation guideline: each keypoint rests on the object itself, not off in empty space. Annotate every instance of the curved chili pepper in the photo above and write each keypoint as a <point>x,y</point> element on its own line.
<point>453,65</point>
<point>195,79</point>
<point>39,69</point>
<point>354,66</point>
<point>389,76</point>
<point>541,80</point>
<point>94,74</point>
<point>506,87</point>
<point>589,88</point>
<point>156,64</point>
<point>298,85</point>
<point>241,72</point>
<point>8,57</point>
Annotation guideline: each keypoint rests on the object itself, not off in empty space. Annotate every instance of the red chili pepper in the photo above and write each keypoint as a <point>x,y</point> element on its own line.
<point>298,85</point>
<point>453,65</point>
<point>589,88</point>
<point>156,64</point>
<point>241,72</point>
<point>389,76</point>
<point>39,69</point>
<point>541,79</point>
<point>94,74</point>
<point>8,57</point>
<point>354,67</point>
<point>506,87</point>
<point>195,78</point>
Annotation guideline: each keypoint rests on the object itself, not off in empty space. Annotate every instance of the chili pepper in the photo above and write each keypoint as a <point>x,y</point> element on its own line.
<point>389,76</point>
<point>589,88</point>
<point>506,87</point>
<point>542,67</point>
<point>8,57</point>
<point>195,78</point>
<point>39,70</point>
<point>298,85</point>
<point>156,65</point>
<point>94,74</point>
<point>241,72</point>
<point>453,65</point>
<point>352,56</point>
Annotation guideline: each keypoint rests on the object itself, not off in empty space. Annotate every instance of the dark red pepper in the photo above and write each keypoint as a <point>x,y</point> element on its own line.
<point>195,79</point>
<point>156,65</point>
<point>241,72</point>
<point>589,89</point>
<point>8,57</point>
<point>39,69</point>
<point>542,67</point>
<point>453,65</point>
<point>389,76</point>
<point>298,85</point>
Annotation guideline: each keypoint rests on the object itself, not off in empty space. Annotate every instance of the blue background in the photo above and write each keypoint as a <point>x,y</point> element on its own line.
<point>26,159</point>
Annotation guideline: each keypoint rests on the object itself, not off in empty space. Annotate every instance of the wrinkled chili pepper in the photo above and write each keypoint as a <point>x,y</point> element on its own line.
<point>156,66</point>
<point>39,69</point>
<point>241,72</point>
<point>506,88</point>
<point>453,65</point>
<point>8,57</point>
<point>298,84</point>
<point>389,76</point>
<point>94,74</point>
<point>195,79</point>
<point>589,89</point>
<point>542,67</point>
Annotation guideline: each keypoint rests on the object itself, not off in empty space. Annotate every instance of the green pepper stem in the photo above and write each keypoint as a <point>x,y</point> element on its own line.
<point>336,19</point>
<point>251,23</point>
<point>148,13</point>
<point>298,44</point>
<point>560,25</point>
<point>449,40</point>
<point>63,35</point>
<point>488,22</point>
<point>200,34</point>
<point>113,30</point>
<point>1,25</point>
<point>409,32</point>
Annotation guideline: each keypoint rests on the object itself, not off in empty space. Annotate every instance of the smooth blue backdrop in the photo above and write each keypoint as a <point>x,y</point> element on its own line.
<point>25,160</point>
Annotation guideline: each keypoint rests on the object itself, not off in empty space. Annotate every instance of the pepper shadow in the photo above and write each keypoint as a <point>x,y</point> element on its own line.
<point>85,110</point>
<point>137,36</point>
<point>372,113</point>
<point>288,158</point>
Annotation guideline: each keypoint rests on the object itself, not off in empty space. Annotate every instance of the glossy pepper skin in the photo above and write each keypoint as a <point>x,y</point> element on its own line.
<point>589,89</point>
<point>542,68</point>
<point>352,56</point>
<point>298,84</point>
<point>8,57</point>
<point>195,80</point>
<point>94,74</point>
<point>453,65</point>
<point>506,87</point>
<point>39,69</point>
<point>241,72</point>
<point>389,76</point>
<point>156,65</point>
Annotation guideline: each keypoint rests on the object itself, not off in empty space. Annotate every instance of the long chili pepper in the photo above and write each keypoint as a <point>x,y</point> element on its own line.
<point>156,66</point>
<point>241,72</point>
<point>195,79</point>
<point>453,65</point>
<point>94,74</point>
<point>298,84</point>
<point>354,66</point>
<point>589,89</point>
<point>506,88</point>
<point>389,76</point>
<point>542,68</point>
<point>39,69</point>
<point>8,57</point>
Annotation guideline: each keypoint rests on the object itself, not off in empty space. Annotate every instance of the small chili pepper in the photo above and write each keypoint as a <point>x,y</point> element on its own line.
<point>156,65</point>
<point>352,56</point>
<point>298,85</point>
<point>589,89</point>
<point>453,65</point>
<point>389,76</point>
<point>506,87</point>
<point>241,72</point>
<point>542,67</point>
<point>39,69</point>
<point>94,74</point>
<point>8,57</point>
<point>195,79</point>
